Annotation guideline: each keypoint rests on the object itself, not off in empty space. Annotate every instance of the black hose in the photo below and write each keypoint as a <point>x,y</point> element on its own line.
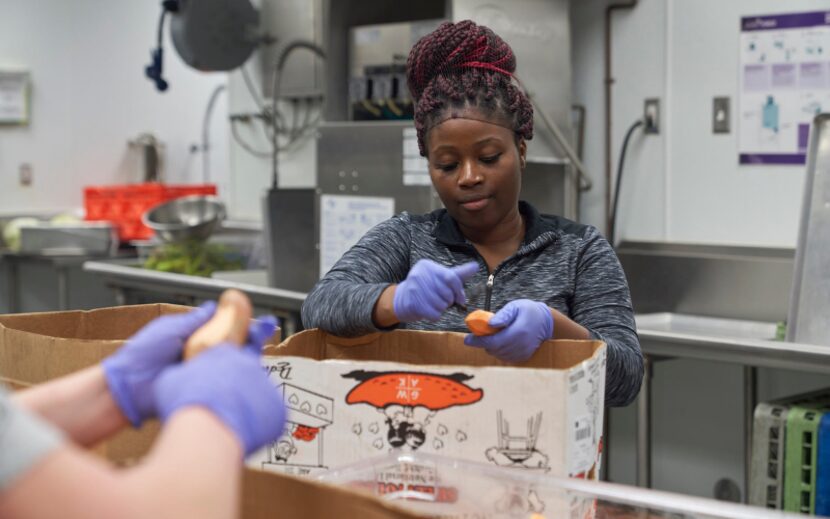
<point>613,224</point>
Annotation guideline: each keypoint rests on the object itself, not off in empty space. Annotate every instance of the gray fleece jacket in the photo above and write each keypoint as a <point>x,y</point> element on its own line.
<point>566,265</point>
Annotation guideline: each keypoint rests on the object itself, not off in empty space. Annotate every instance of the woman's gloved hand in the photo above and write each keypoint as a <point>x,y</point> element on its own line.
<point>429,289</point>
<point>131,371</point>
<point>230,383</point>
<point>524,324</point>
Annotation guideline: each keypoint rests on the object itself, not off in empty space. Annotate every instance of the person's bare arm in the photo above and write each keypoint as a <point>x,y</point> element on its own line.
<point>383,315</point>
<point>565,328</point>
<point>80,404</point>
<point>193,471</point>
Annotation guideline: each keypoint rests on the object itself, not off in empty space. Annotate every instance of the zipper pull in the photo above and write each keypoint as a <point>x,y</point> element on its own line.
<point>489,291</point>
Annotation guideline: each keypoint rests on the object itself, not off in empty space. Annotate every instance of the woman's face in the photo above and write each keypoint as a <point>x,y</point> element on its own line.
<point>475,167</point>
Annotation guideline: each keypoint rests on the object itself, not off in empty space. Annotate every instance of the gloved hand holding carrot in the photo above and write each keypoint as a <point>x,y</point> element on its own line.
<point>513,333</point>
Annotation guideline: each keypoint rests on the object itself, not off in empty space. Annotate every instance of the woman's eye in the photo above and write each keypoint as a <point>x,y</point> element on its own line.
<point>447,167</point>
<point>490,159</point>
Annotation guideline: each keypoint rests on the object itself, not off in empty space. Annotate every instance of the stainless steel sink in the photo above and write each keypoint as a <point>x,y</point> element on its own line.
<point>667,322</point>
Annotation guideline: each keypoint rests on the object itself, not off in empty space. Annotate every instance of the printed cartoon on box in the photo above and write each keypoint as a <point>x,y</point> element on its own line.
<point>409,408</point>
<point>300,449</point>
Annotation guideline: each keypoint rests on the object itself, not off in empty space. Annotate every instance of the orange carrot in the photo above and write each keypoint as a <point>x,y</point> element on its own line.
<point>228,324</point>
<point>478,322</point>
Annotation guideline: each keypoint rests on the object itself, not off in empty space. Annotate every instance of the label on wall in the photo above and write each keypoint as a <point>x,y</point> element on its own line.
<point>344,220</point>
<point>14,97</point>
<point>785,82</point>
<point>415,167</point>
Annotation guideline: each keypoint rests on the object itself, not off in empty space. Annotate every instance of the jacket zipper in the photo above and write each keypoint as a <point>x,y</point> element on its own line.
<point>489,291</point>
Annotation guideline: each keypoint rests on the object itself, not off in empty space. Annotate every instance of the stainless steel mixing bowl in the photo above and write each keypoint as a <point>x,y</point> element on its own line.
<point>187,218</point>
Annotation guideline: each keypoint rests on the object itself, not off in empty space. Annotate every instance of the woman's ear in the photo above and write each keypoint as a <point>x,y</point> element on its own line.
<point>522,154</point>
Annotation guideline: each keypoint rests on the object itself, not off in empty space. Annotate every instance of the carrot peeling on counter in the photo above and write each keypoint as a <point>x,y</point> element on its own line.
<point>478,322</point>
<point>228,324</point>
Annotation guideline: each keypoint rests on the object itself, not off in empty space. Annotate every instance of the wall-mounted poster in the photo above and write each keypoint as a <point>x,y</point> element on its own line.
<point>784,83</point>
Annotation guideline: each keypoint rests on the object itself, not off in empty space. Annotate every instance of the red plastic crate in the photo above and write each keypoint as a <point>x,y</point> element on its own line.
<point>123,205</point>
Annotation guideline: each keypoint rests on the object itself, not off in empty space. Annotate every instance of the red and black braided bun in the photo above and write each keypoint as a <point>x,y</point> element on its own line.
<point>466,65</point>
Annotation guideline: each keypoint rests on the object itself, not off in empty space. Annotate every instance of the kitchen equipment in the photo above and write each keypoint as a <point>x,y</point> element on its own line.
<point>145,152</point>
<point>187,218</point>
<point>81,238</point>
<point>125,204</point>
<point>810,297</point>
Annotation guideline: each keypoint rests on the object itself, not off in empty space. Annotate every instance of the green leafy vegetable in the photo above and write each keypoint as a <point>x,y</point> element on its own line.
<point>193,258</point>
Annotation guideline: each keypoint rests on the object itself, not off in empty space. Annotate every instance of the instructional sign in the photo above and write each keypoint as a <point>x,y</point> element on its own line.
<point>415,167</point>
<point>344,220</point>
<point>14,97</point>
<point>785,82</point>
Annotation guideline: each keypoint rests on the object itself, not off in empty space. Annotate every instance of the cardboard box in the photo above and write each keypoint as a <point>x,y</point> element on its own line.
<point>544,416</point>
<point>37,347</point>
<point>269,495</point>
<point>353,399</point>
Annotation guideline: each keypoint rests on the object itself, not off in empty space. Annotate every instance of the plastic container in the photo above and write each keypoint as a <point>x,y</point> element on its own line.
<point>124,205</point>
<point>801,459</point>
<point>767,476</point>
<point>823,469</point>
<point>769,436</point>
<point>440,487</point>
<point>436,486</point>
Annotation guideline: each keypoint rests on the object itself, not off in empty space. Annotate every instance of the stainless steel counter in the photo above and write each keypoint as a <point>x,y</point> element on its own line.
<point>125,277</point>
<point>747,343</point>
<point>61,263</point>
<point>644,502</point>
<point>662,336</point>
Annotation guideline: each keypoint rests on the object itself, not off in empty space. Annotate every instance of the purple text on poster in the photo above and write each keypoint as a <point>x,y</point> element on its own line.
<point>784,159</point>
<point>756,78</point>
<point>783,75</point>
<point>812,75</point>
<point>785,21</point>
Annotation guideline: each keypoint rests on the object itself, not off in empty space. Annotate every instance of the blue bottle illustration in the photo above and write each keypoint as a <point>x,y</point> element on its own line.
<point>770,115</point>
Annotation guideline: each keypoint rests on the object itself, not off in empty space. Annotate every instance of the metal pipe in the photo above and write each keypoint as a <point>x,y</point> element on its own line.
<point>206,132</point>
<point>609,81</point>
<point>580,139</point>
<point>584,182</point>
<point>63,288</point>
<point>580,152</point>
<point>275,94</point>
<point>606,445</point>
<point>12,285</point>
<point>750,400</point>
<point>644,427</point>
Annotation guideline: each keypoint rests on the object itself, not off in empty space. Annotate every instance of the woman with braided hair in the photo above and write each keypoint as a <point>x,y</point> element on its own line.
<point>546,277</point>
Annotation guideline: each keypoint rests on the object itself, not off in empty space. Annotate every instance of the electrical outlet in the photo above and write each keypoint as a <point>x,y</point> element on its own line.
<point>720,115</point>
<point>25,174</point>
<point>651,115</point>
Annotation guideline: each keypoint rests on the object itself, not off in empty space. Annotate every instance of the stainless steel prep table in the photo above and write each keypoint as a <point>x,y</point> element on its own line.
<point>648,504</point>
<point>662,336</point>
<point>747,343</point>
<point>125,278</point>
<point>61,264</point>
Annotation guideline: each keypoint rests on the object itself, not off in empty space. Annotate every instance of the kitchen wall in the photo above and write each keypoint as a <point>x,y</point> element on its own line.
<point>685,184</point>
<point>89,97</point>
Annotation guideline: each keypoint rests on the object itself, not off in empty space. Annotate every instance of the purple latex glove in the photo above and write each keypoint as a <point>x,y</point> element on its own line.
<point>131,371</point>
<point>524,324</point>
<point>230,383</point>
<point>429,289</point>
